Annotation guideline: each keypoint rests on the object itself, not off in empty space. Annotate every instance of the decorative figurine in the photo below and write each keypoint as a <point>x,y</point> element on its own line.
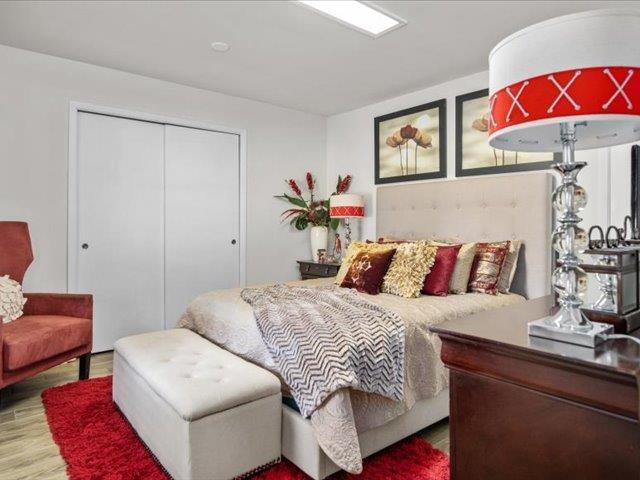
<point>337,248</point>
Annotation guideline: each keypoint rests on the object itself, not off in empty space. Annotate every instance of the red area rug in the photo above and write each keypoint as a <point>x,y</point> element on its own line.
<point>97,442</point>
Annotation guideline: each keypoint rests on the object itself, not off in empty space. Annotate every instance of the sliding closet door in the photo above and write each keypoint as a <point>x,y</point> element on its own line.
<point>120,225</point>
<point>202,202</point>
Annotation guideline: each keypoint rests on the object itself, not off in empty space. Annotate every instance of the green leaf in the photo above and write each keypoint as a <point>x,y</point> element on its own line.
<point>335,223</point>
<point>299,202</point>
<point>301,222</point>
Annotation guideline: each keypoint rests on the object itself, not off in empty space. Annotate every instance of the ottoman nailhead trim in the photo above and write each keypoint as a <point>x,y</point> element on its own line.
<point>258,469</point>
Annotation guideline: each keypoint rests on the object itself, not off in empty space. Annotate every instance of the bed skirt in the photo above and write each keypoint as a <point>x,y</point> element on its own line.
<point>299,444</point>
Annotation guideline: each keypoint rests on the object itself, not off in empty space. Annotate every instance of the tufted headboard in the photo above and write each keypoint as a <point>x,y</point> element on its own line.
<point>507,207</point>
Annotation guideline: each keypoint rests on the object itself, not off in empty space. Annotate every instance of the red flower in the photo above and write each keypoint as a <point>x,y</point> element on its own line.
<point>408,131</point>
<point>294,186</point>
<point>343,185</point>
<point>311,184</point>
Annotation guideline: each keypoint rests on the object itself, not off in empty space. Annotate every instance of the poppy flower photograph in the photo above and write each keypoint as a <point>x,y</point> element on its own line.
<point>411,144</point>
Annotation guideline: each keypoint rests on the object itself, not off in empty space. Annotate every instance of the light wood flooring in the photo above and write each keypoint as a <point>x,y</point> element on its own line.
<point>27,450</point>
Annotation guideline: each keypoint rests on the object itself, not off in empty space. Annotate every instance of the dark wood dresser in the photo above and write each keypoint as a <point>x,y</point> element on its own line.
<point>529,408</point>
<point>310,269</point>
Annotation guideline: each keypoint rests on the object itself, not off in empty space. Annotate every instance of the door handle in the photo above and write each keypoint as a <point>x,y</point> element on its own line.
<point>85,246</point>
<point>233,242</point>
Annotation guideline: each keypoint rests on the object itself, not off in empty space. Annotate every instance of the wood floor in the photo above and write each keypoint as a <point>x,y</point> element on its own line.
<point>27,450</point>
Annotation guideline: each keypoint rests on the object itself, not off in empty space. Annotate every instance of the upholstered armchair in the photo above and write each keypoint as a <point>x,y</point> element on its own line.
<point>55,327</point>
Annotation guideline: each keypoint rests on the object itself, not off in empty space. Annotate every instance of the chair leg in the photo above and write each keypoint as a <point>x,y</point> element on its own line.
<point>85,366</point>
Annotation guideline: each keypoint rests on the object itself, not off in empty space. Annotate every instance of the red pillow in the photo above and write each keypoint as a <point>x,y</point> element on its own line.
<point>367,271</point>
<point>438,279</point>
<point>487,265</point>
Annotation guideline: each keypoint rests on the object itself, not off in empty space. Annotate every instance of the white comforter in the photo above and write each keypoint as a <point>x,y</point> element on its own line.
<point>225,319</point>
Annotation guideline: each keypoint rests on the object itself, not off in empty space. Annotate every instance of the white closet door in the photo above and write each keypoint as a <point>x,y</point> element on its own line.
<point>120,225</point>
<point>202,207</point>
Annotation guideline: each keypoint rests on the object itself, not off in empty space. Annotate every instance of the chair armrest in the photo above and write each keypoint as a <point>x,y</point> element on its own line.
<point>1,352</point>
<point>67,304</point>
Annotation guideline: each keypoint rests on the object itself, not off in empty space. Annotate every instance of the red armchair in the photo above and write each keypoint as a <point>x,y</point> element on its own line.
<point>55,327</point>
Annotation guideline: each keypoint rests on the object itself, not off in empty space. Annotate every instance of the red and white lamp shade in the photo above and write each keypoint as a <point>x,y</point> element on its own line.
<point>346,206</point>
<point>568,83</point>
<point>579,68</point>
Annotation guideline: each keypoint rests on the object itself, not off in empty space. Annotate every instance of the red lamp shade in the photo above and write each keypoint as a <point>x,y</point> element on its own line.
<point>578,68</point>
<point>346,205</point>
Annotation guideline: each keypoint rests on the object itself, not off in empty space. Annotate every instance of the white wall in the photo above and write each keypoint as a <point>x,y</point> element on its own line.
<point>350,149</point>
<point>35,91</point>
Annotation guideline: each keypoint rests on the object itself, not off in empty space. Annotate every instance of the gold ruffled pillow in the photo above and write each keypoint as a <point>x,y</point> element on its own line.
<point>354,249</point>
<point>410,265</point>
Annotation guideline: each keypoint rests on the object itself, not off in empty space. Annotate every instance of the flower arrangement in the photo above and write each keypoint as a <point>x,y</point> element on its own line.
<point>312,211</point>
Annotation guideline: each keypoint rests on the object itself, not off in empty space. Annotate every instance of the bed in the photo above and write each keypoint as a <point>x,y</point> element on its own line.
<point>351,425</point>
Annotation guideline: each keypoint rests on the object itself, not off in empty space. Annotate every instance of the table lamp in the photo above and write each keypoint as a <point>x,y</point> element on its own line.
<point>568,83</point>
<point>346,205</point>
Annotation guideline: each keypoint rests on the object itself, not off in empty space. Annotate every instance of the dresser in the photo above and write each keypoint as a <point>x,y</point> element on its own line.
<point>310,269</point>
<point>530,408</point>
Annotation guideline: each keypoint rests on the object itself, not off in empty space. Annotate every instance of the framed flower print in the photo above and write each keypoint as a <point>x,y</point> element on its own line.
<point>411,144</point>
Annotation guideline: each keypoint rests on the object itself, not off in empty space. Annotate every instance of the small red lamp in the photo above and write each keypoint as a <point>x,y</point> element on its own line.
<point>346,205</point>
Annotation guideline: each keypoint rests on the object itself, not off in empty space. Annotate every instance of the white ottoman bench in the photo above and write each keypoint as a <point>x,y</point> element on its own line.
<point>205,413</point>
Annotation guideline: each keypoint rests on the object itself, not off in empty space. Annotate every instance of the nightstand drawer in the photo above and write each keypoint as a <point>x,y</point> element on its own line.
<point>317,270</point>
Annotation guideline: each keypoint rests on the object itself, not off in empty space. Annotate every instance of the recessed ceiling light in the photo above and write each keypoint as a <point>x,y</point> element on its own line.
<point>362,16</point>
<point>220,46</point>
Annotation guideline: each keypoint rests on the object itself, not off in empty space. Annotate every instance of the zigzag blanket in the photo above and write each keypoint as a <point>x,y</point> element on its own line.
<point>323,339</point>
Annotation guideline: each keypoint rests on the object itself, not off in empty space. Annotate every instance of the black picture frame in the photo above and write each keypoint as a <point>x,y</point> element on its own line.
<point>462,172</point>
<point>441,105</point>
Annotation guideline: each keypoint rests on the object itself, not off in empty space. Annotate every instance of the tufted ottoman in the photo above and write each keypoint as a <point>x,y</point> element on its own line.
<point>205,413</point>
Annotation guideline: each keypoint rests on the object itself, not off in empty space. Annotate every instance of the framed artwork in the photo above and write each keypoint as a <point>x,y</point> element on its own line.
<point>474,155</point>
<point>411,144</point>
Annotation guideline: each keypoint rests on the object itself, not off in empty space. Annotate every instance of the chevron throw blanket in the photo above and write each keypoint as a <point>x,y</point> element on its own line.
<point>323,339</point>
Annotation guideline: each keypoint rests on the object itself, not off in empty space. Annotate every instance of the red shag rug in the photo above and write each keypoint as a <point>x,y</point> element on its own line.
<point>97,442</point>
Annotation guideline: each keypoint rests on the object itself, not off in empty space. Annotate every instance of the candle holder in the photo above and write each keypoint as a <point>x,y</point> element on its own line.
<point>617,272</point>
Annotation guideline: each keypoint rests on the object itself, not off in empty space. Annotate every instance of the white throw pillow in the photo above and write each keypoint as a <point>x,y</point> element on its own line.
<point>11,299</point>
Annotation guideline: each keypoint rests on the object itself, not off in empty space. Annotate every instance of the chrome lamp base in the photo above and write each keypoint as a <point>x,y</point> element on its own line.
<point>569,281</point>
<point>547,328</point>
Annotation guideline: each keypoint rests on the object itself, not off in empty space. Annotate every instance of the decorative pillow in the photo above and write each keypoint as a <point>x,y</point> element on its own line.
<point>411,264</point>
<point>353,250</point>
<point>438,280</point>
<point>462,270</point>
<point>11,299</point>
<point>390,239</point>
<point>487,266</point>
<point>367,271</point>
<point>509,267</point>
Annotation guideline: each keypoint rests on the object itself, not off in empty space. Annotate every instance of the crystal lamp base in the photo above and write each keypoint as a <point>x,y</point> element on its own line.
<point>546,328</point>
<point>569,281</point>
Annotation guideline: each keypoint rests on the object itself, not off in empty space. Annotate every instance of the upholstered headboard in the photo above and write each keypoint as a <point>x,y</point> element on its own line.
<point>509,207</point>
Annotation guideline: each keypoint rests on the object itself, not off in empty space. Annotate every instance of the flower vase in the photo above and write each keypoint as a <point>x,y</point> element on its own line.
<point>319,238</point>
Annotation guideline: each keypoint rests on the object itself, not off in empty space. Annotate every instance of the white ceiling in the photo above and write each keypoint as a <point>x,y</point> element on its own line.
<point>280,53</point>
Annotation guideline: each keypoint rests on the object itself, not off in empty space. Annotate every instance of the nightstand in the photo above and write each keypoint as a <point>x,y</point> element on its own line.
<point>565,411</point>
<point>310,269</point>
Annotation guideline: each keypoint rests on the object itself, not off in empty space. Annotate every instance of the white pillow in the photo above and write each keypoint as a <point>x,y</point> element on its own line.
<point>11,299</point>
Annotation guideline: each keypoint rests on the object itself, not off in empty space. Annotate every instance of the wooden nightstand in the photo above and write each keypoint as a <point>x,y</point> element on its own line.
<point>310,269</point>
<point>563,411</point>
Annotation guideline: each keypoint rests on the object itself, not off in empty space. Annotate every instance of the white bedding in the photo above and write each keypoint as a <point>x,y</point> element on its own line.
<point>225,319</point>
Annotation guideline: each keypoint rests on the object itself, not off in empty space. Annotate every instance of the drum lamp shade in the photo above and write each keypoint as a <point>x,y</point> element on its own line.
<point>576,68</point>
<point>346,205</point>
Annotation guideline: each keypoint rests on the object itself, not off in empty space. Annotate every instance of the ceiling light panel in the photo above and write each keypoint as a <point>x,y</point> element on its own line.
<point>362,16</point>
